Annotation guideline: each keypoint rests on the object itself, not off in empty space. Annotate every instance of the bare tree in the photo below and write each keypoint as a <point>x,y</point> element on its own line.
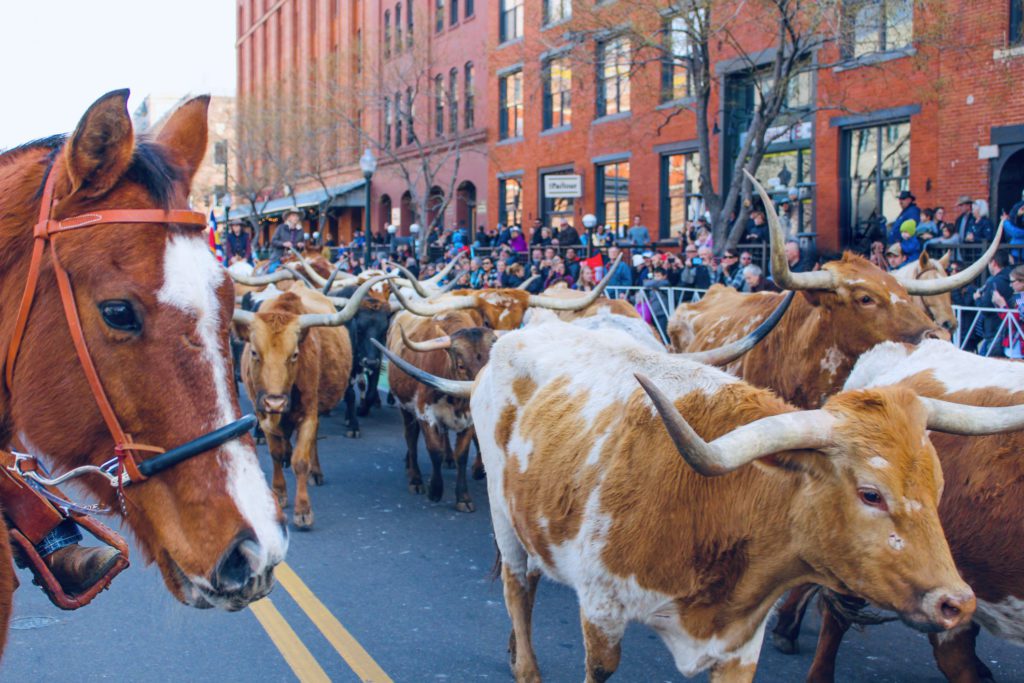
<point>406,112</point>
<point>778,44</point>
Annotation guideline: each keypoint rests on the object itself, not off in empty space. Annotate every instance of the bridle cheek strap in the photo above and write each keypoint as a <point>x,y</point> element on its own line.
<point>46,231</point>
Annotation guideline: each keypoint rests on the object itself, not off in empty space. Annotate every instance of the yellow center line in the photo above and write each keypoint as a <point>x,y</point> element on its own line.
<point>299,658</point>
<point>348,647</point>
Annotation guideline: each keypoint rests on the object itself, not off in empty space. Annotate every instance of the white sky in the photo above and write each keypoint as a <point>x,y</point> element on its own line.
<point>58,56</point>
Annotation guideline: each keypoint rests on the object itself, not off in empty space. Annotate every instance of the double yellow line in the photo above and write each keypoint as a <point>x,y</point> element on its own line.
<point>295,652</point>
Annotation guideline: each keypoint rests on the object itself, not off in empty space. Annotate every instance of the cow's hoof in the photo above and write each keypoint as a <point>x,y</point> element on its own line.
<point>282,499</point>
<point>418,489</point>
<point>465,506</point>
<point>303,520</point>
<point>316,478</point>
<point>435,495</point>
<point>785,645</point>
<point>479,474</point>
<point>352,434</point>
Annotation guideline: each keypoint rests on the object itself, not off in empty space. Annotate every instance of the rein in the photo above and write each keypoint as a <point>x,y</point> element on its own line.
<point>124,468</point>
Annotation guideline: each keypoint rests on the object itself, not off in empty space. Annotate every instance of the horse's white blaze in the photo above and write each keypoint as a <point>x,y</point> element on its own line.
<point>191,279</point>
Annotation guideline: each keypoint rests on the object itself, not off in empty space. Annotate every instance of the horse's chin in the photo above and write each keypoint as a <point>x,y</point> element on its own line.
<point>197,592</point>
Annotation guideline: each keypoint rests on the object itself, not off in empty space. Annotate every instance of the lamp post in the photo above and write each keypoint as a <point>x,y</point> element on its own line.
<point>590,222</point>
<point>368,163</point>
<point>226,203</point>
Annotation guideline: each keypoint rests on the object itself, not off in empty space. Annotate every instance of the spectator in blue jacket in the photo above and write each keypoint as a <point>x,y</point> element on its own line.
<point>622,276</point>
<point>1013,224</point>
<point>909,211</point>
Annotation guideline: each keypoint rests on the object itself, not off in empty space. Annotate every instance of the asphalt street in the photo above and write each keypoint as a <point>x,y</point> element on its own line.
<point>408,581</point>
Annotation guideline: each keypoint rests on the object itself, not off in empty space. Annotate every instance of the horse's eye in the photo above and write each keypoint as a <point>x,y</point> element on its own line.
<point>119,315</point>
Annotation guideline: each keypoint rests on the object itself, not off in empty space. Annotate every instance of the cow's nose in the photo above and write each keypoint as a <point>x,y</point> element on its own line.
<point>275,403</point>
<point>238,567</point>
<point>950,609</point>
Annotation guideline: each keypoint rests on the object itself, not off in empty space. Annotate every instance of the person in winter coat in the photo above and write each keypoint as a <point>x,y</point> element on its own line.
<point>909,211</point>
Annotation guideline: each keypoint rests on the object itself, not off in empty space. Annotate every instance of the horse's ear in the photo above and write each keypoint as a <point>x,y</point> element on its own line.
<point>100,149</point>
<point>946,258</point>
<point>184,134</point>
<point>923,260</point>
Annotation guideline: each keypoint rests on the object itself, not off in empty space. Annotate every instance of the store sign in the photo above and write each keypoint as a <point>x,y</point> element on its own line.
<point>563,186</point>
<point>791,133</point>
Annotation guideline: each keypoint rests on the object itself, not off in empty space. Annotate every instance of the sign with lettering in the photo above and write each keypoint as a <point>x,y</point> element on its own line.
<point>563,186</point>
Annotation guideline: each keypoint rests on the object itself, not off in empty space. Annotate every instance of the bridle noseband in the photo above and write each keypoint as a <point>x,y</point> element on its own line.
<point>124,468</point>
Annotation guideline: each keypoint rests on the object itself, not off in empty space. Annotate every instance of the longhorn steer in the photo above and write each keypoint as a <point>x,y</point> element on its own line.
<point>981,509</point>
<point>586,486</point>
<point>840,312</point>
<point>463,349</point>
<point>295,365</point>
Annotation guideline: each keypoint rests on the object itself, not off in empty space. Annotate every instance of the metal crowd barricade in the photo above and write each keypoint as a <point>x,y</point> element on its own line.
<point>1009,326</point>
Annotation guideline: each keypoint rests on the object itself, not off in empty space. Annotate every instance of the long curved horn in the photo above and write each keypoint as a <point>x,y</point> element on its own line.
<point>957,418</point>
<point>528,281</point>
<point>451,387</point>
<point>242,317</point>
<point>437,277</point>
<point>724,355</point>
<point>556,304</point>
<point>444,342</point>
<point>313,275</point>
<point>261,280</point>
<point>413,282</point>
<point>428,309</point>
<point>962,279</point>
<point>783,276</point>
<point>345,314</point>
<point>807,429</point>
<point>334,275</point>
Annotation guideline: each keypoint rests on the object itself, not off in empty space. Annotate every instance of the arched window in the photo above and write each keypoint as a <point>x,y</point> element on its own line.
<point>439,104</point>
<point>398,28</point>
<point>387,33</point>
<point>453,100</point>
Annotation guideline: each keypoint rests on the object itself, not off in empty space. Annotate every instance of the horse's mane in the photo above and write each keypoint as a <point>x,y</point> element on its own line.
<point>150,166</point>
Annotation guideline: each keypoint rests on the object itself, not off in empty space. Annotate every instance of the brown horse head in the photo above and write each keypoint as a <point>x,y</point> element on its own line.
<point>938,307</point>
<point>155,308</point>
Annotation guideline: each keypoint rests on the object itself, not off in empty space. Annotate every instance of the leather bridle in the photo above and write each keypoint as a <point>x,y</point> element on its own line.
<point>125,467</point>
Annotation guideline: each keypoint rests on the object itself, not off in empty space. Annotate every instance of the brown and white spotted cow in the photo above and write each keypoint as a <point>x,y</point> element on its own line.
<point>982,508</point>
<point>296,365</point>
<point>587,486</point>
<point>453,345</point>
<point>501,309</point>
<point>840,312</point>
<point>938,307</point>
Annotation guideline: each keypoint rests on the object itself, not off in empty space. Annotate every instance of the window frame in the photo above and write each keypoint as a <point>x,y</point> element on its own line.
<point>505,130</point>
<point>439,15</point>
<point>453,100</point>
<point>507,9</point>
<point>468,86</point>
<point>565,12</point>
<point>850,11</point>
<point>564,110</point>
<point>399,46</point>
<point>387,34</point>
<point>439,102</point>
<point>622,94</point>
<point>601,199</point>
<point>503,213</point>
<point>671,61</point>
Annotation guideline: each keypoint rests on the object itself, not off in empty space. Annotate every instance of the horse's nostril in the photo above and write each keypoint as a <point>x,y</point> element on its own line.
<point>237,567</point>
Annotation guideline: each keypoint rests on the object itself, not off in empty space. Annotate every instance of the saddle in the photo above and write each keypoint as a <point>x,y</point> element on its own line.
<point>31,515</point>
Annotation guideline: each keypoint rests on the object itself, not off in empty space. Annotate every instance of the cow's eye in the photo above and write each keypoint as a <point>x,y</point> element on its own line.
<point>118,314</point>
<point>254,354</point>
<point>295,356</point>
<point>866,300</point>
<point>871,497</point>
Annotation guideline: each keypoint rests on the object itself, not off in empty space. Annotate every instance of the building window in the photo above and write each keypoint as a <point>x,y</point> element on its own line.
<point>398,28</point>
<point>439,15</point>
<point>510,191</point>
<point>439,104</point>
<point>410,129</point>
<point>408,23</point>
<point>467,93</point>
<point>613,196</point>
<point>556,210</point>
<point>675,64</point>
<point>510,95</point>
<point>786,171</point>
<point>453,100</point>
<point>1016,35</point>
<point>454,18</point>
<point>469,9</point>
<point>681,200</point>
<point>878,169</point>
<point>557,11</point>
<point>510,13</point>
<point>557,93</point>
<point>872,26</point>
<point>613,77</point>
<point>387,122</point>
<point>387,34</point>
<point>399,115</point>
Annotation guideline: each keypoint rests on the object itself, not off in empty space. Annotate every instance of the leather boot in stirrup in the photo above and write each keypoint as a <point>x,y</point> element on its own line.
<point>78,568</point>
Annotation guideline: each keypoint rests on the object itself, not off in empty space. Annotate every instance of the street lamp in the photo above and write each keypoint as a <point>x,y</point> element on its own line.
<point>368,163</point>
<point>590,222</point>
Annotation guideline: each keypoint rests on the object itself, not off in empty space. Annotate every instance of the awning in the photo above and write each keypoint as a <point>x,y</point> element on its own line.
<point>340,196</point>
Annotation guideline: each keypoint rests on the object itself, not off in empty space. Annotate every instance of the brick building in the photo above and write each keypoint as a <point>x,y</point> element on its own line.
<point>929,119</point>
<point>408,71</point>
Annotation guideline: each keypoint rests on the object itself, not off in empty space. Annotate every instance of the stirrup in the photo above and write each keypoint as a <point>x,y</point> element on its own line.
<point>49,583</point>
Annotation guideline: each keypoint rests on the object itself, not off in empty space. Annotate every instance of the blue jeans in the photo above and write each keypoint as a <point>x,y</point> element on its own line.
<point>64,534</point>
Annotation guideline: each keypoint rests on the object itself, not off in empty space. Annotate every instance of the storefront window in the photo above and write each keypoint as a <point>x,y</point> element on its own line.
<point>878,170</point>
<point>681,201</point>
<point>613,195</point>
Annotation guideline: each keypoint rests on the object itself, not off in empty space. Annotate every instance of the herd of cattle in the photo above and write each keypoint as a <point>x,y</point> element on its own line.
<point>841,443</point>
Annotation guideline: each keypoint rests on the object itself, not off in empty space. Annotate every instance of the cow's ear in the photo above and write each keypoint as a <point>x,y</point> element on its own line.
<point>241,330</point>
<point>923,260</point>
<point>813,296</point>
<point>795,462</point>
